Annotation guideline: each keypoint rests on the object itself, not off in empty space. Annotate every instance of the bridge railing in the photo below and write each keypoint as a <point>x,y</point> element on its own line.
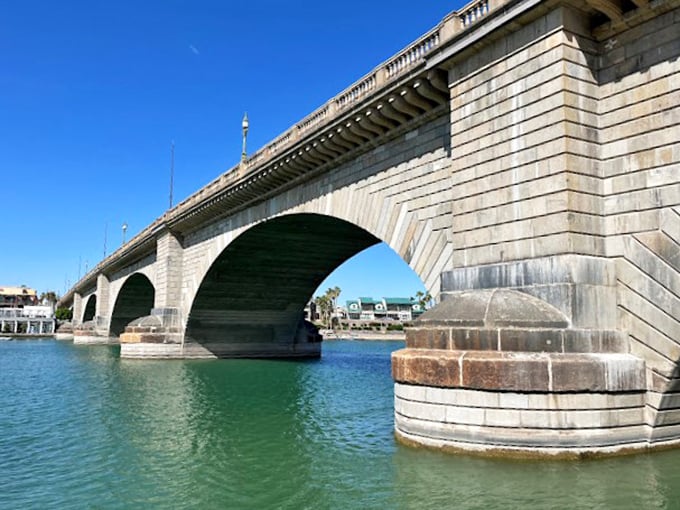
<point>388,72</point>
<point>474,11</point>
<point>395,67</point>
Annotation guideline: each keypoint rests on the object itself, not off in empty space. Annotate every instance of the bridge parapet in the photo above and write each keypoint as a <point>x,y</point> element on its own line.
<point>372,84</point>
<point>474,11</point>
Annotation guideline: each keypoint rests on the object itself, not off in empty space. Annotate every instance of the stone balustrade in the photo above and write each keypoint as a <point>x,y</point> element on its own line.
<point>313,120</point>
<point>474,11</point>
<point>413,54</point>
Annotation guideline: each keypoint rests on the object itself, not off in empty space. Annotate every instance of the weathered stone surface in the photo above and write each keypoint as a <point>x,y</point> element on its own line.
<point>147,350</point>
<point>493,308</point>
<point>519,371</point>
<point>93,339</point>
<point>143,337</point>
<point>428,338</point>
<point>582,288</point>
<point>584,374</point>
<point>508,371</point>
<point>427,367</point>
<point>530,340</point>
<point>463,339</point>
<point>592,340</point>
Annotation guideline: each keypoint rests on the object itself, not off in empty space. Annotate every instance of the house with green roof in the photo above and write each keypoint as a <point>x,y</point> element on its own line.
<point>386,308</point>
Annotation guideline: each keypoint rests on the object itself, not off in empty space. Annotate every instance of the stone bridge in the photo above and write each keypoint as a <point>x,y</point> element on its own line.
<point>523,157</point>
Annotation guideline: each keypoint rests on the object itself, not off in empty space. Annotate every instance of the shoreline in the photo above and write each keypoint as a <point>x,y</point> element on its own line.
<point>327,336</point>
<point>363,335</point>
<point>25,336</point>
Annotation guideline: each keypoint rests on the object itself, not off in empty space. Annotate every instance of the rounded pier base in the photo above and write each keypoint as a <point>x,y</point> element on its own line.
<point>520,404</point>
<point>64,331</point>
<point>500,373</point>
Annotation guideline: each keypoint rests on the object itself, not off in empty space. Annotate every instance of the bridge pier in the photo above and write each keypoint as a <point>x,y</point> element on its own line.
<point>495,369</point>
<point>161,336</point>
<point>95,331</point>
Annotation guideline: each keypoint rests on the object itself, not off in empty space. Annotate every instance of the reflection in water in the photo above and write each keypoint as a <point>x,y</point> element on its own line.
<point>429,480</point>
<point>83,429</point>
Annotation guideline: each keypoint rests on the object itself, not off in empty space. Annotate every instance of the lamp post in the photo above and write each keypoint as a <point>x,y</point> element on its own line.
<point>124,227</point>
<point>244,126</point>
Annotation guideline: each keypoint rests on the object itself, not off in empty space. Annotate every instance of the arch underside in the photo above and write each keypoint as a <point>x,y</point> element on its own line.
<point>135,299</point>
<point>90,308</point>
<point>255,292</point>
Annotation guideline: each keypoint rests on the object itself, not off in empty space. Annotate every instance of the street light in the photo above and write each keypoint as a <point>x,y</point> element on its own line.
<point>125,225</point>
<point>244,126</point>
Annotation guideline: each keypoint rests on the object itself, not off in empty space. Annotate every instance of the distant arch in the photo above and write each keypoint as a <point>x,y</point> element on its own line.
<point>90,308</point>
<point>135,299</point>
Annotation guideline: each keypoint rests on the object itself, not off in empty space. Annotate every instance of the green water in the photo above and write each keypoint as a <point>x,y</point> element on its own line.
<point>80,428</point>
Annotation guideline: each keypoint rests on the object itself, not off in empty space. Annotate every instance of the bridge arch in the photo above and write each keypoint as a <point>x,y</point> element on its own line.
<point>135,299</point>
<point>90,309</point>
<point>255,291</point>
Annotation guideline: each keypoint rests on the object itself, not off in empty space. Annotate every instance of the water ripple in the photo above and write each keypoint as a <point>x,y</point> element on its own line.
<point>81,428</point>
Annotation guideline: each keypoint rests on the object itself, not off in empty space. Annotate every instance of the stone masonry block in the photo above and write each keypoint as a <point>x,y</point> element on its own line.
<point>463,339</point>
<point>427,338</point>
<point>578,374</point>
<point>427,367</point>
<point>531,340</point>
<point>507,371</point>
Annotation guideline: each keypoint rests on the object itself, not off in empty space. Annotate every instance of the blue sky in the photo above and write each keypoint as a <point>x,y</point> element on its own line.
<point>93,93</point>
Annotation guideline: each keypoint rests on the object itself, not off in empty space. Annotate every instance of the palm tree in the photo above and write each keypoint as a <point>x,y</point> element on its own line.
<point>333,295</point>
<point>327,304</point>
<point>50,296</point>
<point>323,304</point>
<point>422,299</point>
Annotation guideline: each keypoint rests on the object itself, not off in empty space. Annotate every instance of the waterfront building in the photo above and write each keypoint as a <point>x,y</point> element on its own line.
<point>29,320</point>
<point>17,297</point>
<point>390,308</point>
<point>21,313</point>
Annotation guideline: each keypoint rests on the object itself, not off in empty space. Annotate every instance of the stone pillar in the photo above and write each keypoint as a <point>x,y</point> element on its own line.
<point>97,330</point>
<point>102,309</point>
<point>102,317</point>
<point>77,308</point>
<point>161,334</point>
<point>168,271</point>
